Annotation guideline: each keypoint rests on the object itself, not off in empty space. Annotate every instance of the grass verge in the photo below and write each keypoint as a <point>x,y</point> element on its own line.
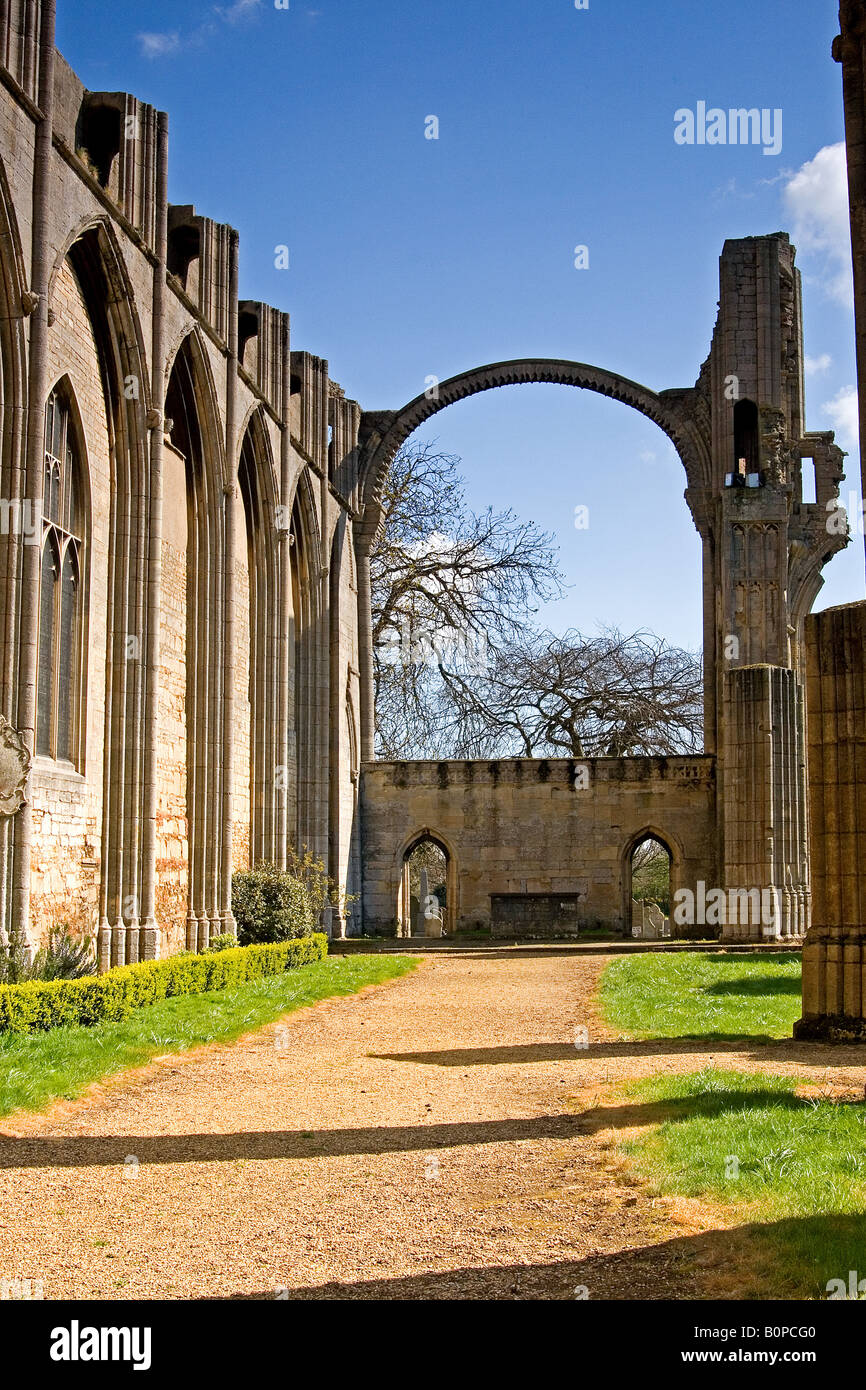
<point>792,1168</point>
<point>700,995</point>
<point>39,1067</point>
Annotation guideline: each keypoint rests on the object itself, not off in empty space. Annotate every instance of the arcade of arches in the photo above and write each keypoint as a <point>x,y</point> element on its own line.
<point>185,642</point>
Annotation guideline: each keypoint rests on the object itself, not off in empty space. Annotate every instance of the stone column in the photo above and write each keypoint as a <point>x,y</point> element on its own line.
<point>849,49</point>
<point>285,818</point>
<point>766,875</point>
<point>227,921</point>
<point>834,952</point>
<point>37,383</point>
<point>363,545</point>
<point>149,944</point>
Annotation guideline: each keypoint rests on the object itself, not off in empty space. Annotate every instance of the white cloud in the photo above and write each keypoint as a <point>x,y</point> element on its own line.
<point>164,45</point>
<point>843,413</point>
<point>816,200</point>
<point>813,365</point>
<point>159,45</point>
<point>232,14</point>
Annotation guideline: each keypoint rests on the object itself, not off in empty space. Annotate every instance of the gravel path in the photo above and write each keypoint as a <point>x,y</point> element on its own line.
<point>438,1137</point>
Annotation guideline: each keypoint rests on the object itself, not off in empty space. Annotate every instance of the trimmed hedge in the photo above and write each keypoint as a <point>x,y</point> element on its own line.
<point>38,1005</point>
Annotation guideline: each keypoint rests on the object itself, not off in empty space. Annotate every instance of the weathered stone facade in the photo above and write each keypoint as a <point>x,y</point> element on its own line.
<point>536,828</point>
<point>214,659</point>
<point>834,952</point>
<point>213,627</point>
<point>740,435</point>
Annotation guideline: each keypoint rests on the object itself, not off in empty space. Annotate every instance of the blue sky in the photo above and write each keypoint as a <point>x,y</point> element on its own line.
<point>412,257</point>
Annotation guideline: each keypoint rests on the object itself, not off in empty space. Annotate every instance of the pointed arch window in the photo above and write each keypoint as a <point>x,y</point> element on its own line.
<point>61,617</point>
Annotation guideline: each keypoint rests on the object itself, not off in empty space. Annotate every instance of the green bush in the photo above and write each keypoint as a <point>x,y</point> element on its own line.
<point>36,1005</point>
<point>224,942</point>
<point>63,958</point>
<point>271,905</point>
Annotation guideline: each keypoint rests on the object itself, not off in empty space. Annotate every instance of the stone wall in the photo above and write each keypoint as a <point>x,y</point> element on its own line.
<point>68,799</point>
<point>185,768</point>
<point>530,826</point>
<point>834,952</point>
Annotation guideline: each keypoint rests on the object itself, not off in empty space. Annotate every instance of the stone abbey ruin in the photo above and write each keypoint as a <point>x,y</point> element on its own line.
<point>186,665</point>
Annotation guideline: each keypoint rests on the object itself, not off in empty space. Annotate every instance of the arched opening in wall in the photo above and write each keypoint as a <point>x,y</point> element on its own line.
<point>610,664</point>
<point>98,336</point>
<point>61,645</point>
<point>648,888</point>
<point>184,247</point>
<point>98,137</point>
<point>426,890</point>
<point>248,329</point>
<point>187,425</point>
<point>257,659</point>
<point>306,723</point>
<point>747,457</point>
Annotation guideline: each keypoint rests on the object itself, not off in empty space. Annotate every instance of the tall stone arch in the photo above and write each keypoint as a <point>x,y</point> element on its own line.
<point>93,254</point>
<point>309,655</point>
<point>13,398</point>
<point>194,433</point>
<point>675,412</point>
<point>740,434</point>
<point>258,631</point>
<point>682,414</point>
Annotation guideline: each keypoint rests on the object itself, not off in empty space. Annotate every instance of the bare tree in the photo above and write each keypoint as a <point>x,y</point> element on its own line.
<point>460,671</point>
<point>450,589</point>
<point>572,696</point>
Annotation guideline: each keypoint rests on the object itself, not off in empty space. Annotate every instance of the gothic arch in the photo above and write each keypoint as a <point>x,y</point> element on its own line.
<point>258,489</point>
<point>64,388</point>
<point>119,303</point>
<point>92,253</point>
<point>309,654</point>
<point>191,410</point>
<point>13,400</point>
<point>668,842</point>
<point>206,398</point>
<point>387,430</point>
<point>452,877</point>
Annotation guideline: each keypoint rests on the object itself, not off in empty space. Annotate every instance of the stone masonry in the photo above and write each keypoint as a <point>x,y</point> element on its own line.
<point>220,661</point>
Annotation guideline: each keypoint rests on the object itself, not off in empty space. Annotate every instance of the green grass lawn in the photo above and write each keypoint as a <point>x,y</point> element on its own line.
<point>703,995</point>
<point>39,1067</point>
<point>795,1166</point>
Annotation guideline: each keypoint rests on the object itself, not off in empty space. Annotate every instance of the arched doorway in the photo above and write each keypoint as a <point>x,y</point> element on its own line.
<point>648,887</point>
<point>427,884</point>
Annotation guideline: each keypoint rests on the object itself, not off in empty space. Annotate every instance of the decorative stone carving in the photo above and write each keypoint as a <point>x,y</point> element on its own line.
<point>775,441</point>
<point>14,769</point>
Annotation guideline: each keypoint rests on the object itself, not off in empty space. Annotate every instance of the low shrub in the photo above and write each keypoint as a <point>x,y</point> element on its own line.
<point>36,1005</point>
<point>270,905</point>
<point>63,958</point>
<point>224,942</point>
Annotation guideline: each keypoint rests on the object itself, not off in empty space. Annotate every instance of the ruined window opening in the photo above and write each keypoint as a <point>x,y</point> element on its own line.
<point>649,868</point>
<point>184,247</point>
<point>747,457</point>
<point>99,138</point>
<point>248,327</point>
<point>808,482</point>
<point>59,698</point>
<point>424,890</point>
